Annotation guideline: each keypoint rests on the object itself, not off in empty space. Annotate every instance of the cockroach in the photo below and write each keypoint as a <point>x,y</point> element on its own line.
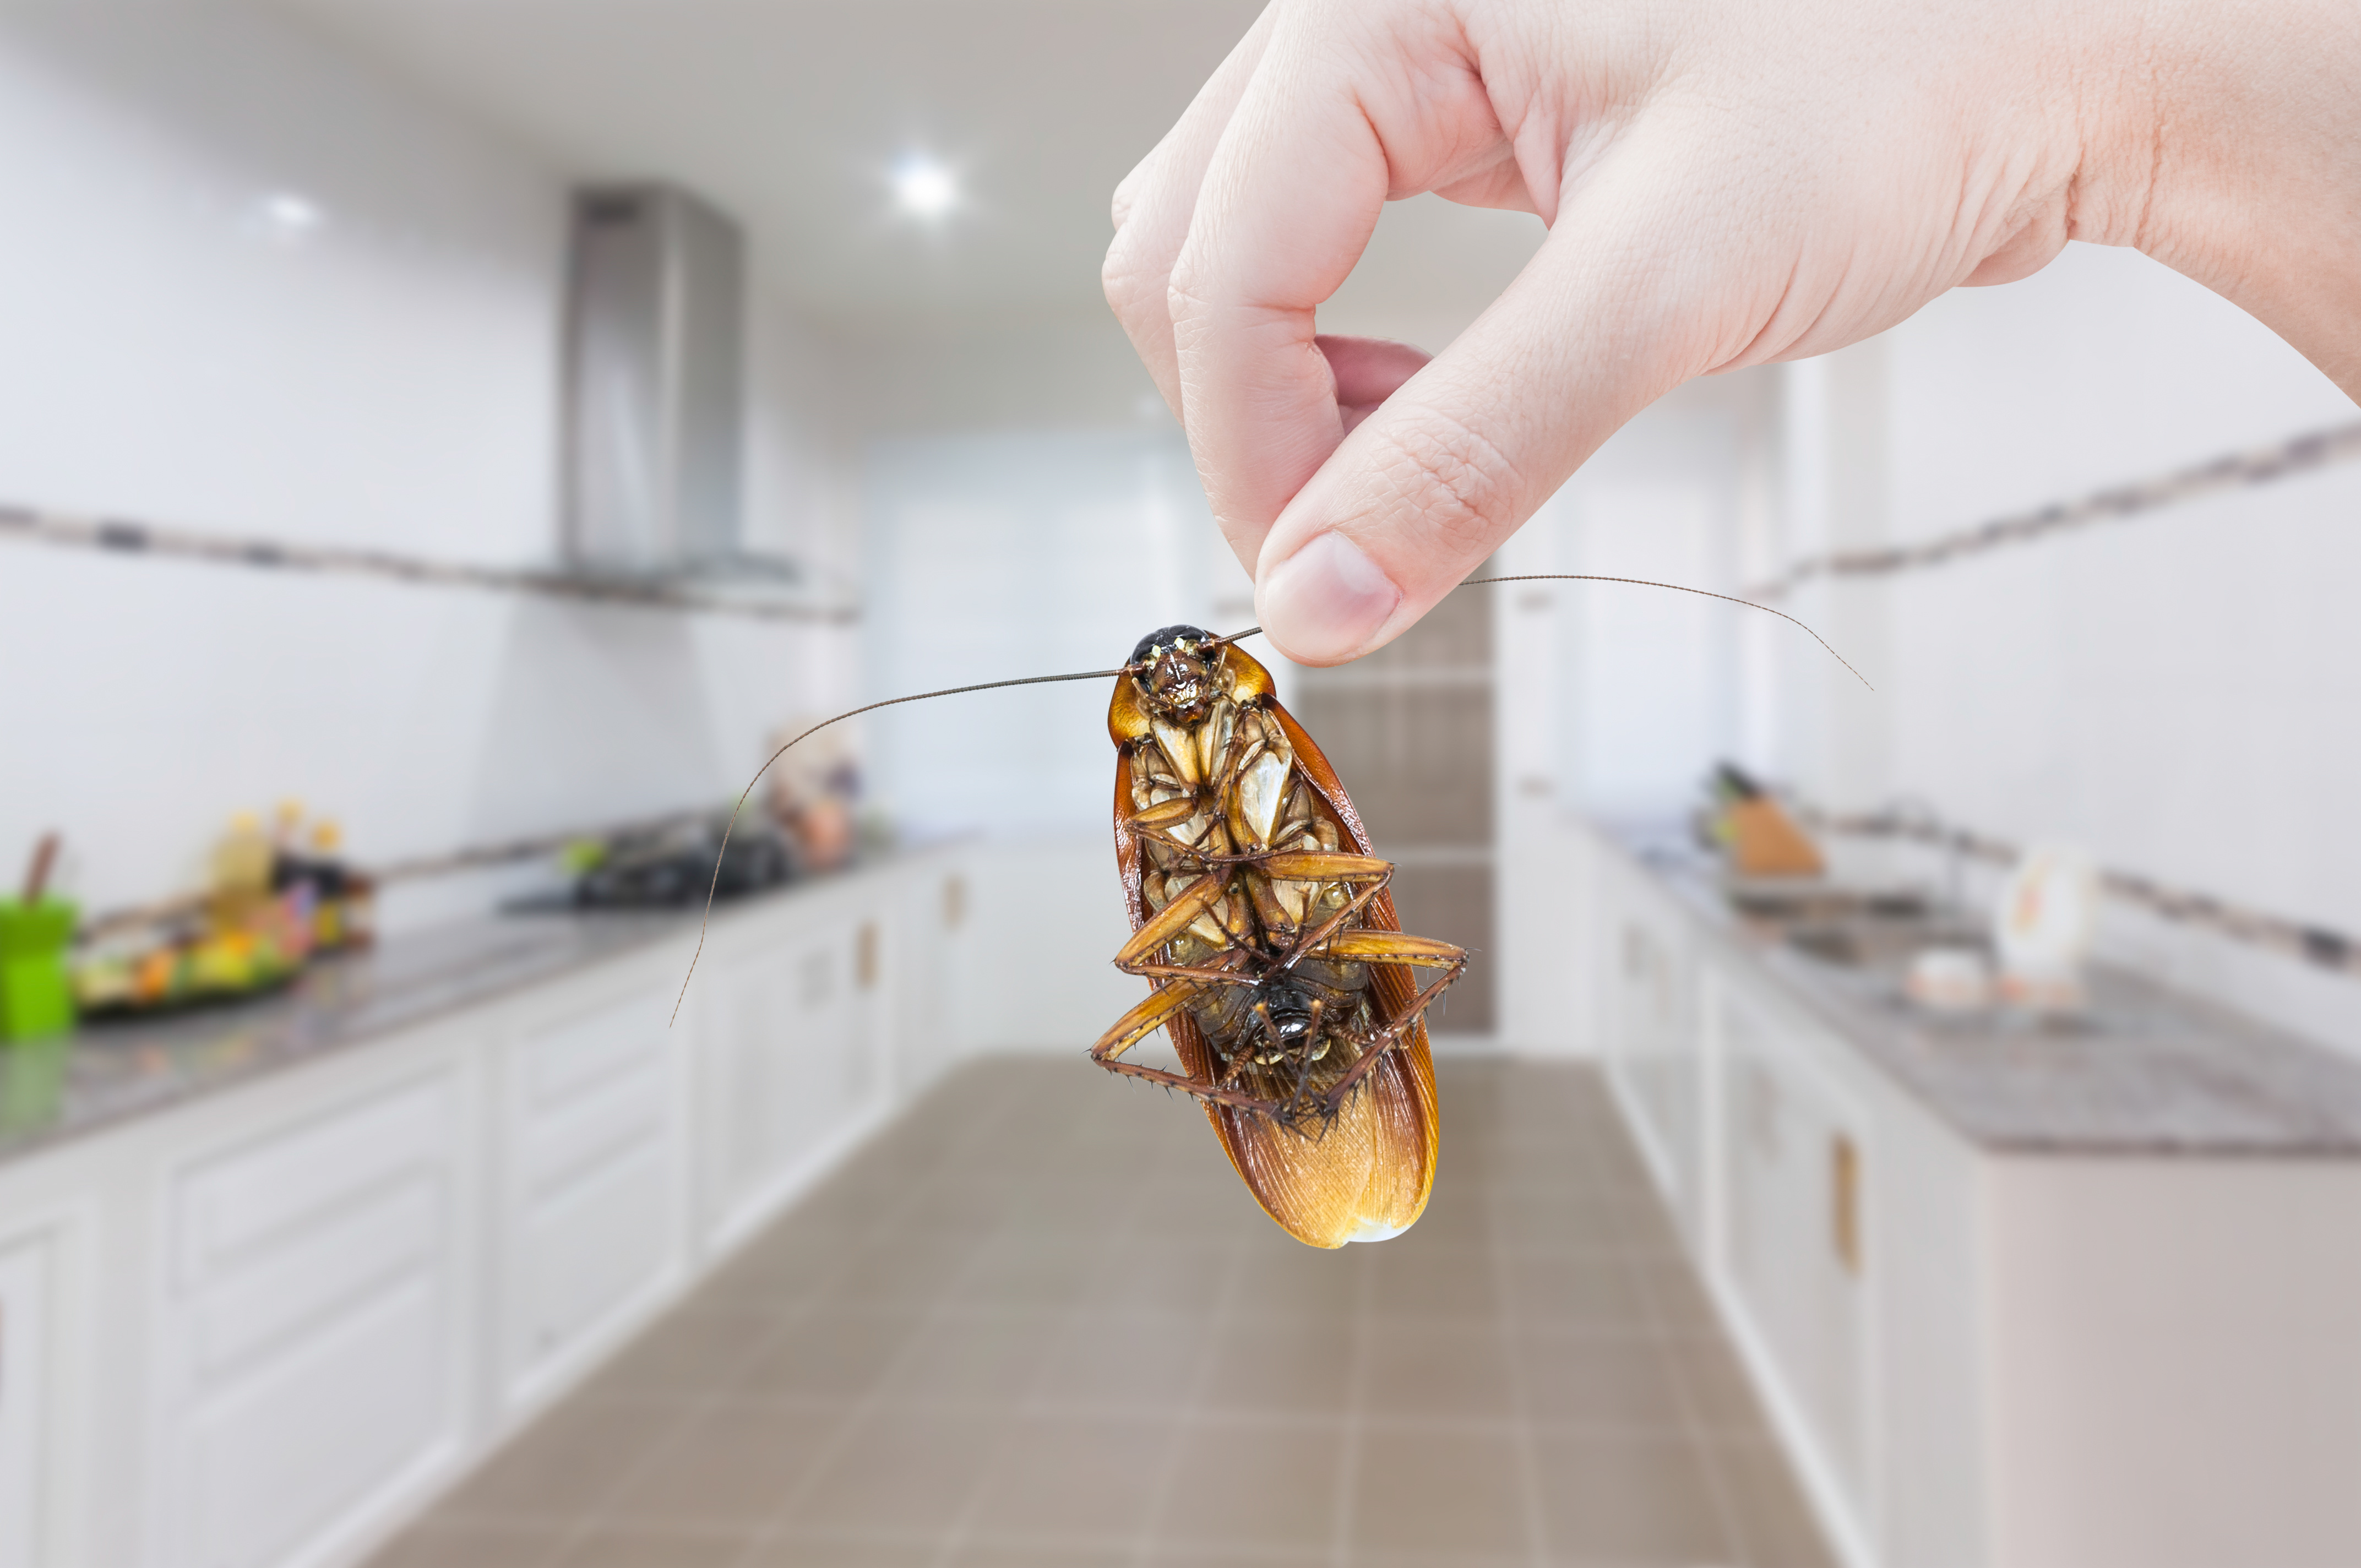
<point>1261,919</point>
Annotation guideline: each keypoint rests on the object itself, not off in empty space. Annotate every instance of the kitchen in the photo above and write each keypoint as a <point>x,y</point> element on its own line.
<point>1783,1216</point>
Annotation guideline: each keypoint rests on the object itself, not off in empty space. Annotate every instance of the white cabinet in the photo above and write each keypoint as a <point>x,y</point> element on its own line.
<point>308,1330</point>
<point>589,1225</point>
<point>796,1056</point>
<point>26,1399</point>
<point>1798,1169</point>
<point>1655,1048</point>
<point>258,1329</point>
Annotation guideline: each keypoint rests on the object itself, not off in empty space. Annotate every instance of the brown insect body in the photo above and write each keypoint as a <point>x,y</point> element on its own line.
<point>1262,919</point>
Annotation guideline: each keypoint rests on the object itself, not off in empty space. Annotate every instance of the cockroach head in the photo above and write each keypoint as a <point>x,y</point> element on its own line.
<point>1176,668</point>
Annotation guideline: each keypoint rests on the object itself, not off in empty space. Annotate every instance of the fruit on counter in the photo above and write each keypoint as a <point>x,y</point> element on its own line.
<point>273,901</point>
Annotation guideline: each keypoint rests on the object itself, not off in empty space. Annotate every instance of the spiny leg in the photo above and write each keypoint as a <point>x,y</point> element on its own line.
<point>1143,1021</point>
<point>1399,947</point>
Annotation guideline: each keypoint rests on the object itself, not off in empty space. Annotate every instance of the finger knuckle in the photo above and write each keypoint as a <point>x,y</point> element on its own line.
<point>1454,479</point>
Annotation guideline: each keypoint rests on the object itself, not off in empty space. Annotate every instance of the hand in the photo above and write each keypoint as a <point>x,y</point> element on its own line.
<point>1726,182</point>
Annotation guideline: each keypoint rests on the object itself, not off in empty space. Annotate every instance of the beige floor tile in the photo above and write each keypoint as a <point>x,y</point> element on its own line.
<point>1425,1370</point>
<point>567,1464</point>
<point>965,1357</point>
<point>1078,1479</point>
<point>899,1471</point>
<point>457,1543</point>
<point>795,1549</point>
<point>1255,1484</point>
<point>1150,1274</point>
<point>1036,1555</point>
<point>646,1546</point>
<point>829,1353</point>
<point>1029,1271</point>
<point>1433,1281</point>
<point>1598,1382</point>
<point>1136,1361</point>
<point>1418,1490</point>
<point>1284,1278</point>
<point>1632,1502</point>
<point>1715,1389</point>
<point>733,1464</point>
<point>1282,1367</point>
<point>688,1358</point>
<point>910,1275</point>
<point>1768,1512</point>
<point>974,1347</point>
<point>1676,1300</point>
<point>1576,1290</point>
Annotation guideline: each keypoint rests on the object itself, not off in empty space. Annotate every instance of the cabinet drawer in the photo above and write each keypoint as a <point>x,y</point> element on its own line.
<point>308,1329</point>
<point>589,1213</point>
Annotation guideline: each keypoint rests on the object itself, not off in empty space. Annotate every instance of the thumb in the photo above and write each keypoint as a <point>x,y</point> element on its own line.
<point>1640,286</point>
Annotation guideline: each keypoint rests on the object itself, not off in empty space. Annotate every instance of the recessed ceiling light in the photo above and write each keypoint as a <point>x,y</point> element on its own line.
<point>286,216</point>
<point>923,187</point>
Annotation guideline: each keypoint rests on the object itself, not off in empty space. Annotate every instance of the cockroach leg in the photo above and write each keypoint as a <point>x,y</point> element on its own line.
<point>1309,940</point>
<point>1187,971</point>
<point>1140,1022</point>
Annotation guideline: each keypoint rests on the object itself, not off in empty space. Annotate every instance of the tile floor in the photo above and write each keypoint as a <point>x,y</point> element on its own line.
<point>1038,1323</point>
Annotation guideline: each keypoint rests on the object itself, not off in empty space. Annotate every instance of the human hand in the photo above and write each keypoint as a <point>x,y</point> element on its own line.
<point>1726,182</point>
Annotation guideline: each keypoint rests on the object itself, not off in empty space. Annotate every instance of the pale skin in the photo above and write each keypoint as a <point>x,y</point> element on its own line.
<point>1726,182</point>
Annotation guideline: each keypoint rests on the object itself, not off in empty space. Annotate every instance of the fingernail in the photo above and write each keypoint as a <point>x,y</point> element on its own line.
<point>1322,604</point>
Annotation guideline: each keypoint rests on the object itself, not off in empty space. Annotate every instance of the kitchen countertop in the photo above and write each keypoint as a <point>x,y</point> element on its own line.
<point>2146,1072</point>
<point>110,1072</point>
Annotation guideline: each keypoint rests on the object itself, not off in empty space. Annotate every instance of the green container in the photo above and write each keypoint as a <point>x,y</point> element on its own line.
<point>36,998</point>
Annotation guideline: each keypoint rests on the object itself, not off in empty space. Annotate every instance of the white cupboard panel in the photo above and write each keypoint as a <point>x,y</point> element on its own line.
<point>308,1332</point>
<point>250,1200</point>
<point>1798,1180</point>
<point>309,1441</point>
<point>795,1058</point>
<point>589,1222</point>
<point>24,1385</point>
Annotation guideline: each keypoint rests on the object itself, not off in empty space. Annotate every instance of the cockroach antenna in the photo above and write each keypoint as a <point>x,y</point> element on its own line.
<point>713,890</point>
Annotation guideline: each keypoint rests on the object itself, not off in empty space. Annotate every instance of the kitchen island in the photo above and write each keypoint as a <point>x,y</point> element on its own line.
<point>2019,1293</point>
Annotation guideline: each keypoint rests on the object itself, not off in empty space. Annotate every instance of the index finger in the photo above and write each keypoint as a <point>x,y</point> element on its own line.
<point>1288,202</point>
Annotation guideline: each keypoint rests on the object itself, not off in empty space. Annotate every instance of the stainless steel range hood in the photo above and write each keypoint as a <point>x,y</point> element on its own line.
<point>654,386</point>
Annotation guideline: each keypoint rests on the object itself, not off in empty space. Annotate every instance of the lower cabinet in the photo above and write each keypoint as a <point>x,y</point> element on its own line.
<point>796,1056</point>
<point>261,1328</point>
<point>1797,1170</point>
<point>26,1398</point>
<point>310,1325</point>
<point>589,1225</point>
<point>1653,1046</point>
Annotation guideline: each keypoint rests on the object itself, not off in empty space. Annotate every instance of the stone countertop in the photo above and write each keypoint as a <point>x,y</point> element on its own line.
<point>113,1072</point>
<point>2145,1070</point>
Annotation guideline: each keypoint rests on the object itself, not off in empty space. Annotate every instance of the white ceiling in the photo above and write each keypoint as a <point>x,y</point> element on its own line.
<point>790,114</point>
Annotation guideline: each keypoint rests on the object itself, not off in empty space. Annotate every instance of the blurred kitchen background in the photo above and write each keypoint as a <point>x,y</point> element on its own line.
<point>447,445</point>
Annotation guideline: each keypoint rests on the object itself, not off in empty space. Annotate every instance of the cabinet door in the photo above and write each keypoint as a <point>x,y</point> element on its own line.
<point>25,1383</point>
<point>795,1058</point>
<point>308,1342</point>
<point>1658,1051</point>
<point>1799,1177</point>
<point>590,1224</point>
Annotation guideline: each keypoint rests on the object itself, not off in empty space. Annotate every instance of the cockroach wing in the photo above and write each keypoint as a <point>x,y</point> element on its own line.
<point>1366,1177</point>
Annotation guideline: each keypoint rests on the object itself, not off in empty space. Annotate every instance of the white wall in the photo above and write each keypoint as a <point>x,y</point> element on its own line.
<point>2175,692</point>
<point>1023,554</point>
<point>386,377</point>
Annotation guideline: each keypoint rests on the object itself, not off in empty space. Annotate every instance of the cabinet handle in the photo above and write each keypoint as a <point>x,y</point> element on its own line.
<point>954,902</point>
<point>864,956</point>
<point>1844,1201</point>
